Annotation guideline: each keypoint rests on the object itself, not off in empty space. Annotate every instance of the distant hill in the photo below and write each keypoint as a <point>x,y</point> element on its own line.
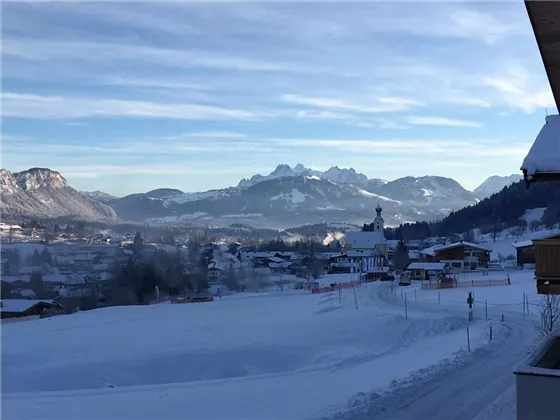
<point>495,184</point>
<point>503,209</point>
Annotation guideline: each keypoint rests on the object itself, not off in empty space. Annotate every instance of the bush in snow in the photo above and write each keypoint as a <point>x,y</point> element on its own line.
<point>549,313</point>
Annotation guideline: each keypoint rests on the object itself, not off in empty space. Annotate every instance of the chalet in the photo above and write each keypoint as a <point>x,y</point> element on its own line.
<point>426,270</point>
<point>14,308</point>
<point>217,273</point>
<point>277,264</point>
<point>461,256</point>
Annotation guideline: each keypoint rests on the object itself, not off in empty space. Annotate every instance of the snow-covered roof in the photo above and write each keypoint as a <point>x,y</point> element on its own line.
<point>21,305</point>
<point>522,244</point>
<point>462,243</point>
<point>431,251</point>
<point>29,269</point>
<point>359,253</point>
<point>364,240</point>
<point>544,155</point>
<point>426,266</point>
<point>414,254</point>
<point>276,259</point>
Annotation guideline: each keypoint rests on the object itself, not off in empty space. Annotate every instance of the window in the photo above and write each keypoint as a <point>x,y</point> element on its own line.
<point>456,265</point>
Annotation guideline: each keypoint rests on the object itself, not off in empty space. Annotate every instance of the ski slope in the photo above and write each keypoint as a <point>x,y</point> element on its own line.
<point>272,355</point>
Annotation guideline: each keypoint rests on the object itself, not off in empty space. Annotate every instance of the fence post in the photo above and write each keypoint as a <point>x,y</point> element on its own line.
<point>502,317</point>
<point>527,302</point>
<point>473,300</point>
<point>523,303</point>
<point>355,298</point>
<point>490,332</point>
<point>470,302</point>
<point>405,308</point>
<point>468,340</point>
<point>339,294</point>
<point>401,294</point>
<point>486,308</point>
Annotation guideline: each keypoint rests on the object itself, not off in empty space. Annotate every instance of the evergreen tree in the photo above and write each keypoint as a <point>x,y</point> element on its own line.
<point>46,257</point>
<point>138,244</point>
<point>400,256</point>
<point>37,284</point>
<point>36,258</point>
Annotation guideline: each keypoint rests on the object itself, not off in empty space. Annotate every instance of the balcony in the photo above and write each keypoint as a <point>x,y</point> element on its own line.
<point>537,381</point>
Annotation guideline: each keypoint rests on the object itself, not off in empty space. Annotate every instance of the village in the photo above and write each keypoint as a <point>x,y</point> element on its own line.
<point>45,277</point>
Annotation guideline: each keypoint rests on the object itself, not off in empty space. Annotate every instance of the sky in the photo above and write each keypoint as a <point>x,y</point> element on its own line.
<point>128,97</point>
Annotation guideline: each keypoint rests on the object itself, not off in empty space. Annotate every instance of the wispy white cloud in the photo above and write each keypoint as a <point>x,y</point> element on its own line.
<point>37,106</point>
<point>218,134</point>
<point>441,121</point>
<point>378,105</point>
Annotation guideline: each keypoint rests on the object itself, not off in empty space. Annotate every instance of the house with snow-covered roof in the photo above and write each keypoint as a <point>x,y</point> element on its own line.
<point>14,308</point>
<point>461,256</point>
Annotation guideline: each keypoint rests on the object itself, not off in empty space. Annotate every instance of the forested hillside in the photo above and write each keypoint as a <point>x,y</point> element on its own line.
<point>494,213</point>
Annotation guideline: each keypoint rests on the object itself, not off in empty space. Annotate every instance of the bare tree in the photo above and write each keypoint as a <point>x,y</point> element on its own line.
<point>549,313</point>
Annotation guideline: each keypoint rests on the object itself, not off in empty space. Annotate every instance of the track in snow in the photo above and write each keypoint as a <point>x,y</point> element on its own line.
<point>455,389</point>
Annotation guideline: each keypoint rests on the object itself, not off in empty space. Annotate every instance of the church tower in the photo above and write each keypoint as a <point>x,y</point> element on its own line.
<point>378,221</point>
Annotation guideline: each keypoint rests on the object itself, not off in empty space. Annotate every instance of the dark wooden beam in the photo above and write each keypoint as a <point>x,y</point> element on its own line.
<point>545,20</point>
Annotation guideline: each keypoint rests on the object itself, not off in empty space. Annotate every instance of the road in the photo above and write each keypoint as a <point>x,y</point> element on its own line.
<point>472,386</point>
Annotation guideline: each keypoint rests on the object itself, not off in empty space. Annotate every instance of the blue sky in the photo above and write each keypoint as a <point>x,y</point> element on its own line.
<point>127,97</point>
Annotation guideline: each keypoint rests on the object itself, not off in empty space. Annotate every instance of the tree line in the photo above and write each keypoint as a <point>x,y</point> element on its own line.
<point>491,215</point>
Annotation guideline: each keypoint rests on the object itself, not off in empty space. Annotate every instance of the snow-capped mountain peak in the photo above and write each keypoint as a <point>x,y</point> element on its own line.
<point>36,178</point>
<point>300,169</point>
<point>335,174</point>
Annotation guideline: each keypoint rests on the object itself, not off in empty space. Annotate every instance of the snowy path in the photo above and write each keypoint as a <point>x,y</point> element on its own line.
<point>475,385</point>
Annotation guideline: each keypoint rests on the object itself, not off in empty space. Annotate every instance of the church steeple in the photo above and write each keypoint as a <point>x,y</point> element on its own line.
<point>378,221</point>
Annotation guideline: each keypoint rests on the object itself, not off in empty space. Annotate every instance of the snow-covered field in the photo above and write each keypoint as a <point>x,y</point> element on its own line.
<point>277,355</point>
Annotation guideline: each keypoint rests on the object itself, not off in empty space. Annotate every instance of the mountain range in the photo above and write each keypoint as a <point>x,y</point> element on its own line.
<point>42,193</point>
<point>284,198</point>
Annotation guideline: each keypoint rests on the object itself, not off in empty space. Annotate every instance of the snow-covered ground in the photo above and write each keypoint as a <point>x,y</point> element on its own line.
<point>275,355</point>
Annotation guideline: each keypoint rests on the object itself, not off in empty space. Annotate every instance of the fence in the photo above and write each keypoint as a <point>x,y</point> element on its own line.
<point>19,319</point>
<point>466,283</point>
<point>336,287</point>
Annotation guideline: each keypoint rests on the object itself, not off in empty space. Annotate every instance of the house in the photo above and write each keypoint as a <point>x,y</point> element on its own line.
<point>525,253</point>
<point>217,274</point>
<point>14,308</point>
<point>461,256</point>
<point>426,270</point>
<point>369,240</point>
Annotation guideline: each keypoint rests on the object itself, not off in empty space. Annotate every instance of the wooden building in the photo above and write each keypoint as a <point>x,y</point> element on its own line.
<point>15,308</point>
<point>462,256</point>
<point>547,267</point>
<point>525,253</point>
